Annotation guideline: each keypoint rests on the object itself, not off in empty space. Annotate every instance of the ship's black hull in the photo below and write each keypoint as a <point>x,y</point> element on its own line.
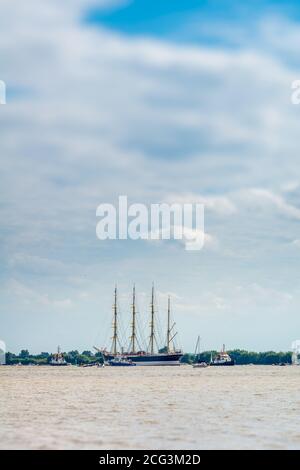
<point>229,363</point>
<point>172,359</point>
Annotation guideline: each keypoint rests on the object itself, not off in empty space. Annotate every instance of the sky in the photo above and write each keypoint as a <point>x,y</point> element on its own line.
<point>163,102</point>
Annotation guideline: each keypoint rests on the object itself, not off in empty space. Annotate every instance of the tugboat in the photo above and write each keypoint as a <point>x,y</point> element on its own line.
<point>120,361</point>
<point>151,356</point>
<point>58,359</point>
<point>197,362</point>
<point>222,359</point>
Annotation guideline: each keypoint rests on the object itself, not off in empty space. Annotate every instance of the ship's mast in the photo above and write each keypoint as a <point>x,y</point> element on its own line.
<point>115,325</point>
<point>133,331</point>
<point>170,334</point>
<point>152,322</point>
<point>169,328</point>
<point>197,348</point>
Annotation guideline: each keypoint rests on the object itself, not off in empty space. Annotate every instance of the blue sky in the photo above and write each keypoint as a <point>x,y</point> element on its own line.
<point>167,18</point>
<point>162,101</point>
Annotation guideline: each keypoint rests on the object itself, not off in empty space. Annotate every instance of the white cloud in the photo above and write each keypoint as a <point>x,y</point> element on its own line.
<point>191,239</point>
<point>37,264</point>
<point>290,186</point>
<point>92,114</point>
<point>262,198</point>
<point>239,300</point>
<point>221,205</point>
<point>31,297</point>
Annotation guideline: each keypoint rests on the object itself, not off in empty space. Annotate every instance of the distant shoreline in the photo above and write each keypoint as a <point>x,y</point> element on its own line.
<point>240,356</point>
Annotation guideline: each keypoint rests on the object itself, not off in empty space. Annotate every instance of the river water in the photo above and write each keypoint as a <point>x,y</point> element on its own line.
<point>240,407</point>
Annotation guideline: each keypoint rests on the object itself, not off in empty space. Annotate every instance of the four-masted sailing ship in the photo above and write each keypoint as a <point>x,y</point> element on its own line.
<point>152,356</point>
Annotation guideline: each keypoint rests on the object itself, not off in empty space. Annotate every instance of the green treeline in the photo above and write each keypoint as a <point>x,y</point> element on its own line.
<point>72,357</point>
<point>242,357</point>
<point>87,357</point>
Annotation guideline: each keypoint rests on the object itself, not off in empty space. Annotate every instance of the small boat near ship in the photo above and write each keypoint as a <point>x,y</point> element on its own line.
<point>92,364</point>
<point>120,362</point>
<point>222,359</point>
<point>152,355</point>
<point>58,359</point>
<point>198,363</point>
<point>296,353</point>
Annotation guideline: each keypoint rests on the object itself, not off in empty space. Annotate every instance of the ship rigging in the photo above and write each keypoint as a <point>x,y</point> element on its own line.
<point>168,355</point>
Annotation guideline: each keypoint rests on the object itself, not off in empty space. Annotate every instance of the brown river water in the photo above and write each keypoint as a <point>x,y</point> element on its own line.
<point>240,407</point>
